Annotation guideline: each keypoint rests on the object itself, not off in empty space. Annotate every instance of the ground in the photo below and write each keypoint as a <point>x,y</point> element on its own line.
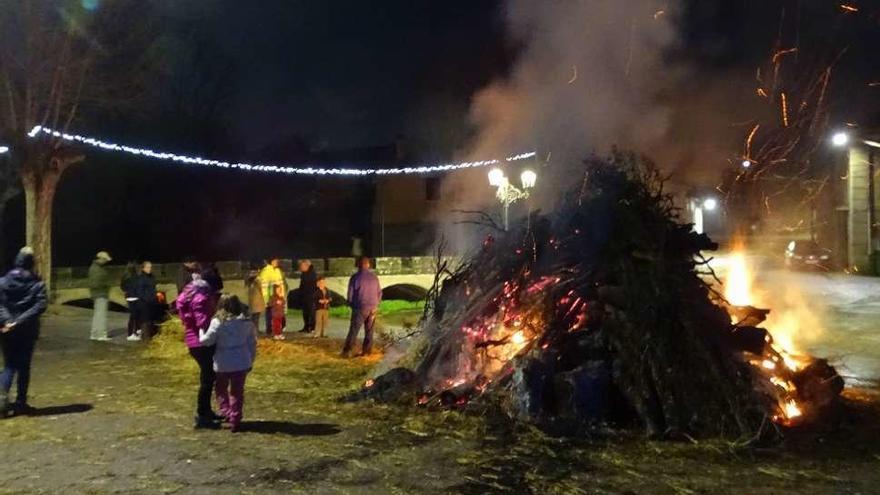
<point>116,418</point>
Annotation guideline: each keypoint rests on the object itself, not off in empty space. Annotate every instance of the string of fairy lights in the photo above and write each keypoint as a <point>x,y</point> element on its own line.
<point>298,170</point>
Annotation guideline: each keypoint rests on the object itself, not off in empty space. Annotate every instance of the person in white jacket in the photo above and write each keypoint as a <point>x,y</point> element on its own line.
<point>235,338</point>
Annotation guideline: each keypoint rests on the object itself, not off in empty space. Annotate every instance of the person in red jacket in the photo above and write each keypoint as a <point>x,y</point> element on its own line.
<point>278,308</point>
<point>195,306</point>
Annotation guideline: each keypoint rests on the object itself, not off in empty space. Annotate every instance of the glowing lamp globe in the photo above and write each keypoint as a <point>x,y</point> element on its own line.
<point>840,139</point>
<point>710,204</point>
<point>496,177</point>
<point>529,179</point>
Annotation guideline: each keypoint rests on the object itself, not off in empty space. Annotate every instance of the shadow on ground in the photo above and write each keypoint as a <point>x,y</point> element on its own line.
<point>60,410</point>
<point>290,428</point>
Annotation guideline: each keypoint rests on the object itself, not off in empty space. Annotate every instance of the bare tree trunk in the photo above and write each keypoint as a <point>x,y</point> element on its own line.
<point>40,191</point>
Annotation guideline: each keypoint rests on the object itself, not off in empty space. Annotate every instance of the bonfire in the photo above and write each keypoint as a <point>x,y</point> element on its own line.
<point>605,312</point>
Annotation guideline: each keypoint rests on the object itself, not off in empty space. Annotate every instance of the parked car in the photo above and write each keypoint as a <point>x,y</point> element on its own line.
<point>807,255</point>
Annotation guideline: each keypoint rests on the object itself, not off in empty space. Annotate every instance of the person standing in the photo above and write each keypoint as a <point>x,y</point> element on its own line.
<point>364,296</point>
<point>184,275</point>
<point>256,303</point>
<point>322,305</point>
<point>22,300</point>
<point>278,308</point>
<point>270,276</point>
<point>211,274</point>
<point>99,289</point>
<point>145,291</point>
<point>194,305</point>
<point>234,337</point>
<point>128,286</point>
<point>308,285</point>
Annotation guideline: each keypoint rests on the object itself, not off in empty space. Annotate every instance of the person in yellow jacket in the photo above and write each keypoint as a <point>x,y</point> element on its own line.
<point>270,276</point>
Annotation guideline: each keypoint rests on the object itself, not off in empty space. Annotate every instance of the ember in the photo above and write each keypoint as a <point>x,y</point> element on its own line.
<point>614,327</point>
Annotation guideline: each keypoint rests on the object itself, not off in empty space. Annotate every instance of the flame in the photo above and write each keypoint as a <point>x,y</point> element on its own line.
<point>738,286</point>
<point>369,383</point>
<point>792,410</point>
<point>791,321</point>
<point>518,338</point>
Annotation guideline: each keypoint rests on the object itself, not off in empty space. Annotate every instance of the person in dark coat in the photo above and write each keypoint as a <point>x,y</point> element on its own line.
<point>308,286</point>
<point>211,274</point>
<point>185,274</point>
<point>128,283</point>
<point>145,291</point>
<point>99,289</point>
<point>22,300</point>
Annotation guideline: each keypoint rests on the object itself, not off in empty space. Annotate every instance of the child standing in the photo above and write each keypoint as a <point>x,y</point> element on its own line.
<point>235,337</point>
<point>278,307</point>
<point>322,305</point>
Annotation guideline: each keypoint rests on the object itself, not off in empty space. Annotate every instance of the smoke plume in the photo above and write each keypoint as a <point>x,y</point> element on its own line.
<point>590,74</point>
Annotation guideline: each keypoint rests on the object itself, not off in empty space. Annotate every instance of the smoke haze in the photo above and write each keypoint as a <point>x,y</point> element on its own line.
<point>591,74</point>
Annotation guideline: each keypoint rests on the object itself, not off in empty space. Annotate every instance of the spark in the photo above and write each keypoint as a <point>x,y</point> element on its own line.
<point>784,110</point>
<point>660,13</point>
<point>781,53</point>
<point>848,8</point>
<point>574,74</point>
<point>762,93</point>
<point>750,138</point>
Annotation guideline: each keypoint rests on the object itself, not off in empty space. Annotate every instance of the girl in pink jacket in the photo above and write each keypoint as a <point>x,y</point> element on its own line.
<point>195,307</point>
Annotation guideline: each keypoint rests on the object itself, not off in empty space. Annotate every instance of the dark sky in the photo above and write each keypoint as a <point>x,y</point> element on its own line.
<point>353,73</point>
<point>347,73</point>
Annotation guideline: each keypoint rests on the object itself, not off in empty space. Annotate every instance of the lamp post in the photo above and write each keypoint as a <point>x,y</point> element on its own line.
<point>507,193</point>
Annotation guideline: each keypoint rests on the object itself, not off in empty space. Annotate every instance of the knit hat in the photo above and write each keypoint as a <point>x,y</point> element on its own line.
<point>25,258</point>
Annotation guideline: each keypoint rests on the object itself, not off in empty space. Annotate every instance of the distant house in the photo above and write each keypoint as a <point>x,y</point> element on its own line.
<point>862,233</point>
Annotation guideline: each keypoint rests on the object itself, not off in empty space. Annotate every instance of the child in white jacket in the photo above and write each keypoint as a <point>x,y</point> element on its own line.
<point>235,337</point>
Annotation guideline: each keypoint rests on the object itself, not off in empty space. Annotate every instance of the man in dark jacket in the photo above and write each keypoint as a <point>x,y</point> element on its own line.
<point>364,296</point>
<point>145,291</point>
<point>22,300</point>
<point>99,288</point>
<point>308,286</point>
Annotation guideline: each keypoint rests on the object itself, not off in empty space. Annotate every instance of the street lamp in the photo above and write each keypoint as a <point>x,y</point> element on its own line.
<point>840,139</point>
<point>507,193</point>
<point>528,179</point>
<point>699,206</point>
<point>496,177</point>
<point>4,150</point>
<point>746,163</point>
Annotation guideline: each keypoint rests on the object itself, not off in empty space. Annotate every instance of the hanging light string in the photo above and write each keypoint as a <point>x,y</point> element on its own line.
<point>302,170</point>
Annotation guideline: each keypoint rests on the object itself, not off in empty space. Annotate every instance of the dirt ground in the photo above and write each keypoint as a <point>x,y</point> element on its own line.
<point>117,418</point>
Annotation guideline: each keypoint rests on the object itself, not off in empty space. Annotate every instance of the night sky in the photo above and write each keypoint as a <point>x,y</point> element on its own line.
<point>298,80</point>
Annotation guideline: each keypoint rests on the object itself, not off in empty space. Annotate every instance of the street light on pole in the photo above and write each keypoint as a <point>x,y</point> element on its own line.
<point>507,193</point>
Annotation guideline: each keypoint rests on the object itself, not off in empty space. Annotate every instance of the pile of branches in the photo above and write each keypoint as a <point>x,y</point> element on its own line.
<point>598,313</point>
